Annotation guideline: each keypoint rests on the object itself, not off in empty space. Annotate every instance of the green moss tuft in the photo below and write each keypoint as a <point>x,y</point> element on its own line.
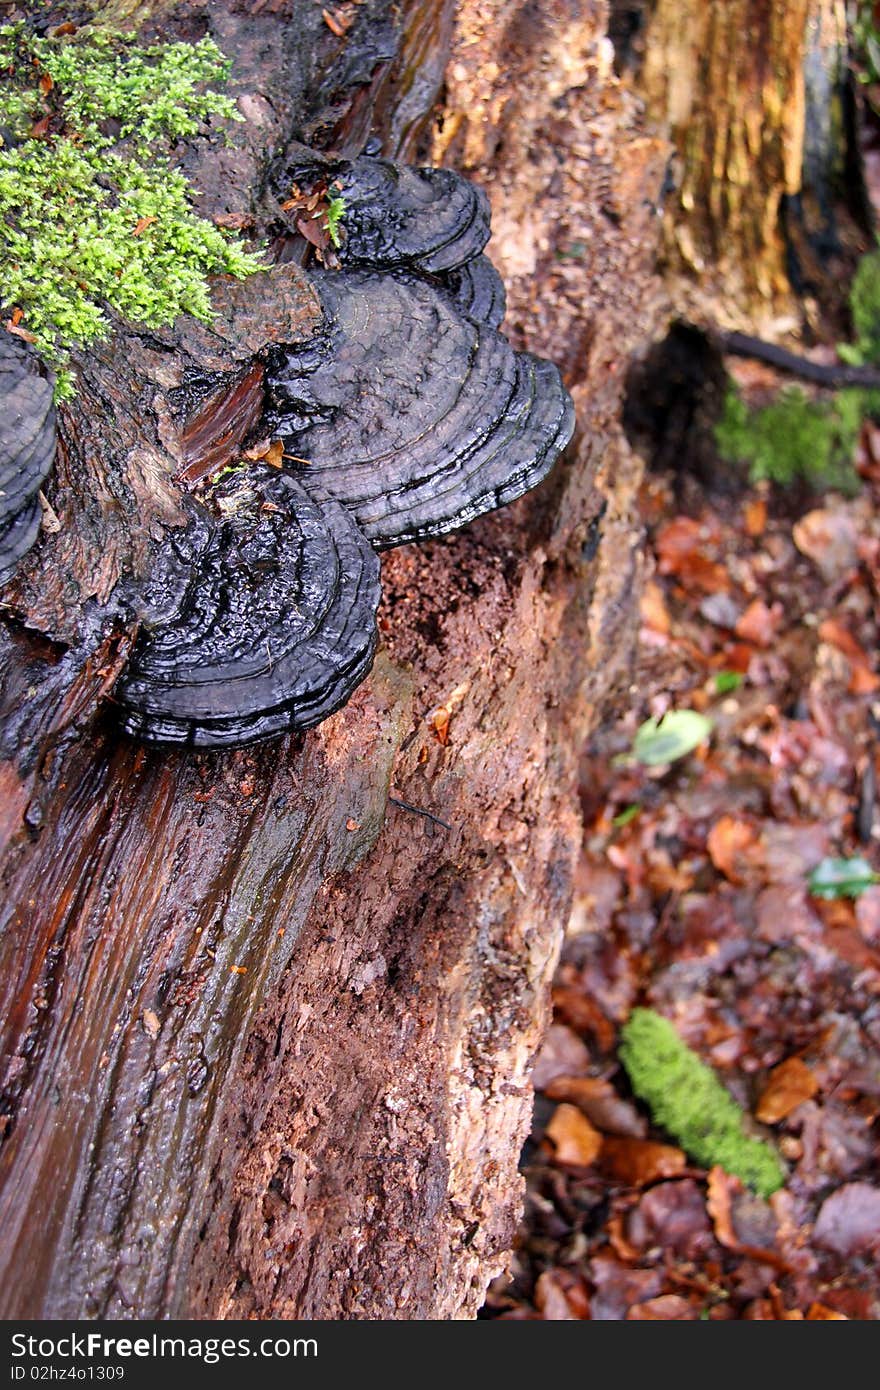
<point>93,215</point>
<point>686,1098</point>
<point>335,210</point>
<point>794,438</point>
<point>864,303</point>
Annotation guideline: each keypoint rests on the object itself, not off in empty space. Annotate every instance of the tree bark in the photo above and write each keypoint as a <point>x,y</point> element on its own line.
<point>266,1032</point>
<point>748,91</point>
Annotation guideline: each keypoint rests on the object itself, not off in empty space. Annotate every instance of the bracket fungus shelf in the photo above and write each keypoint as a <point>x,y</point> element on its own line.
<point>27,449</point>
<point>412,415</point>
<point>260,622</point>
<point>403,412</point>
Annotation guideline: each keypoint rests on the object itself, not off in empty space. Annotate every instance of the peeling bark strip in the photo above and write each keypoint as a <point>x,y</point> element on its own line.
<point>265,1048</point>
<point>736,160</point>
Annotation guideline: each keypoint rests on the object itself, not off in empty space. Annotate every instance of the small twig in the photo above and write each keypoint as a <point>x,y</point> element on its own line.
<point>419,811</point>
<point>836,375</point>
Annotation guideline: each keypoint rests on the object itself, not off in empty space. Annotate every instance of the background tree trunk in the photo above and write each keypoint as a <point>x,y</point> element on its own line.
<point>266,1034</point>
<point>749,91</point>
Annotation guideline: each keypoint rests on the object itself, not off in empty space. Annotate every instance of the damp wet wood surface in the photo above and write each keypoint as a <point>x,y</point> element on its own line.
<point>266,1033</point>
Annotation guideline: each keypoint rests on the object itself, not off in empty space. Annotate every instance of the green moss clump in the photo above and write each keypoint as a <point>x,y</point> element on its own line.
<point>686,1098</point>
<point>92,212</point>
<point>864,304</point>
<point>794,438</point>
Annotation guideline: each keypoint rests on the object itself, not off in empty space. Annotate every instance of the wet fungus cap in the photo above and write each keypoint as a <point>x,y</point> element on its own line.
<point>27,448</point>
<point>396,215</point>
<point>257,622</point>
<point>478,291</point>
<point>413,415</point>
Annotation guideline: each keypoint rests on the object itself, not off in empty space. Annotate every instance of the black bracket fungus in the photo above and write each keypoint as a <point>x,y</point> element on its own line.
<point>27,449</point>
<point>479,292</point>
<point>255,622</point>
<point>400,216</point>
<point>414,416</point>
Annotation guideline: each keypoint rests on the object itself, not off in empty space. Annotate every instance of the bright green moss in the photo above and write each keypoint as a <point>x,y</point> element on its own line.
<point>686,1098</point>
<point>92,212</point>
<point>335,209</point>
<point>795,438</point>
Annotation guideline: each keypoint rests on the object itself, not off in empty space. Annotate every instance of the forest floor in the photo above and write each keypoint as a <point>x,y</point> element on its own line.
<point>694,901</point>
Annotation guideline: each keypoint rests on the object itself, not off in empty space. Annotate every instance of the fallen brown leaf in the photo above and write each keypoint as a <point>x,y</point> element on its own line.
<point>669,1307</point>
<point>584,1014</point>
<point>828,538</point>
<point>759,623</point>
<point>755,516</point>
<point>234,221</point>
<point>601,1104</point>
<point>788,1086</point>
<point>19,332</point>
<point>561,1296</point>
<point>729,842</point>
<point>575,1140</point>
<point>639,1161</point>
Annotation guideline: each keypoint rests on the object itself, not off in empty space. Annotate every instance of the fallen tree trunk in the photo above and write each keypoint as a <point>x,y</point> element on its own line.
<point>267,1031</point>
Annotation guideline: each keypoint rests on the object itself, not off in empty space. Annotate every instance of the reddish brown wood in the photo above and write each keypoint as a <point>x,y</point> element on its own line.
<point>266,1035</point>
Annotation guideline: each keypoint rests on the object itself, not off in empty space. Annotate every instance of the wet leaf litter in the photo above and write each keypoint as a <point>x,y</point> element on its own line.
<point>732,890</point>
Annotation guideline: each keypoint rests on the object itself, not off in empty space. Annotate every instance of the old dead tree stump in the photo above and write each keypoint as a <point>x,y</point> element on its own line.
<point>267,1034</point>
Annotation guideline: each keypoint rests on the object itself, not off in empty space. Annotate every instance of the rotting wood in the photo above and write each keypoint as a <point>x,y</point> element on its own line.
<point>265,1048</point>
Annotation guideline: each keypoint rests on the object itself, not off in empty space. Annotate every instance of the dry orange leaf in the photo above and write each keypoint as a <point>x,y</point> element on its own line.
<point>755,517</point>
<point>142,224</point>
<point>19,332</point>
<point>788,1086</point>
<point>585,1016</point>
<point>840,637</point>
<point>759,624</point>
<point>679,546</point>
<point>667,1307</point>
<point>737,657</point>
<point>575,1140</point>
<point>728,843</point>
<point>721,1189</point>
<point>639,1161</point>
<point>862,679</point>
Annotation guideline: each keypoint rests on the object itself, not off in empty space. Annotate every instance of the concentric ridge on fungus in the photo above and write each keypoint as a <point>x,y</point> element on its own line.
<point>27,448</point>
<point>260,622</point>
<point>401,216</point>
<point>414,416</point>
